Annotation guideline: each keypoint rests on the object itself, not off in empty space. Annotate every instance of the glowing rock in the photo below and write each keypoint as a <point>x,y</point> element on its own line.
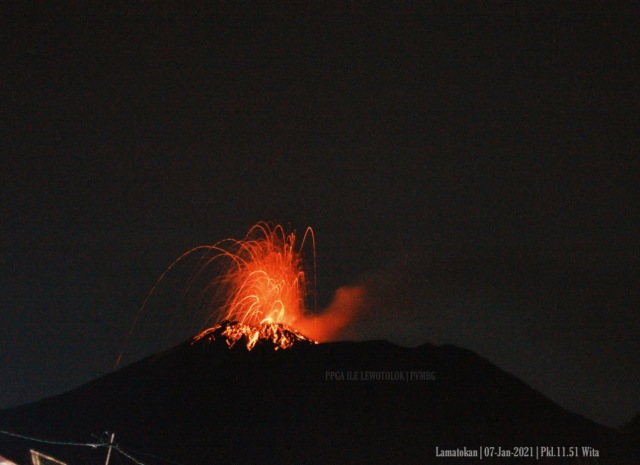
<point>279,335</point>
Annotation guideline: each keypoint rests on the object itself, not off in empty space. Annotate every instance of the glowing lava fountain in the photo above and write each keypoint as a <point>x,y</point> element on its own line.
<point>257,286</point>
<point>265,287</point>
<point>264,281</point>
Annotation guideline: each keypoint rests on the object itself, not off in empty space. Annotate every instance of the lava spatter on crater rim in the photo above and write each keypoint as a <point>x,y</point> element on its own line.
<point>279,335</point>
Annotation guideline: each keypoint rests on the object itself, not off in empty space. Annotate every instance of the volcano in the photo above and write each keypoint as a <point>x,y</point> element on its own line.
<point>211,400</point>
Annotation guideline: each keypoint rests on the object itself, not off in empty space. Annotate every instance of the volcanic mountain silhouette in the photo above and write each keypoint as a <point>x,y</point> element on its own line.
<point>202,402</point>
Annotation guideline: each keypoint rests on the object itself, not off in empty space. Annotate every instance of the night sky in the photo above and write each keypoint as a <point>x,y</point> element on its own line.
<point>475,167</point>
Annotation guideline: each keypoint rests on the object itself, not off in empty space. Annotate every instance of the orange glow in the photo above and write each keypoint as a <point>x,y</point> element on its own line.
<point>263,286</point>
<point>264,281</point>
<point>279,335</point>
<point>325,326</point>
<point>258,286</point>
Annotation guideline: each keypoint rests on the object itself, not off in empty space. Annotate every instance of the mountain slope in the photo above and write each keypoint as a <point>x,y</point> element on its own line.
<point>202,402</point>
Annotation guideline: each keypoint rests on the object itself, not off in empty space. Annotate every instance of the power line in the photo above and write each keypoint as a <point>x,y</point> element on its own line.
<point>127,455</point>
<point>139,452</point>
<point>93,445</point>
<point>59,443</point>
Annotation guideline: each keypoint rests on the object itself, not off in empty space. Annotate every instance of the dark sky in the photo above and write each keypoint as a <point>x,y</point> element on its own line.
<point>476,166</point>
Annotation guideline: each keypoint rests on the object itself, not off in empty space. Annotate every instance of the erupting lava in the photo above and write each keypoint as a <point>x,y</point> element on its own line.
<point>264,282</point>
<point>258,286</point>
<point>280,336</point>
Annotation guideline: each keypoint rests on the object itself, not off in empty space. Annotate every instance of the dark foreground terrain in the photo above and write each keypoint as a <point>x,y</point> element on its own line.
<point>364,403</point>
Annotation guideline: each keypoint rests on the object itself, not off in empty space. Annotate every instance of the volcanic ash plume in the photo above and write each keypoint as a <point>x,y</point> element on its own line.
<point>325,326</point>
